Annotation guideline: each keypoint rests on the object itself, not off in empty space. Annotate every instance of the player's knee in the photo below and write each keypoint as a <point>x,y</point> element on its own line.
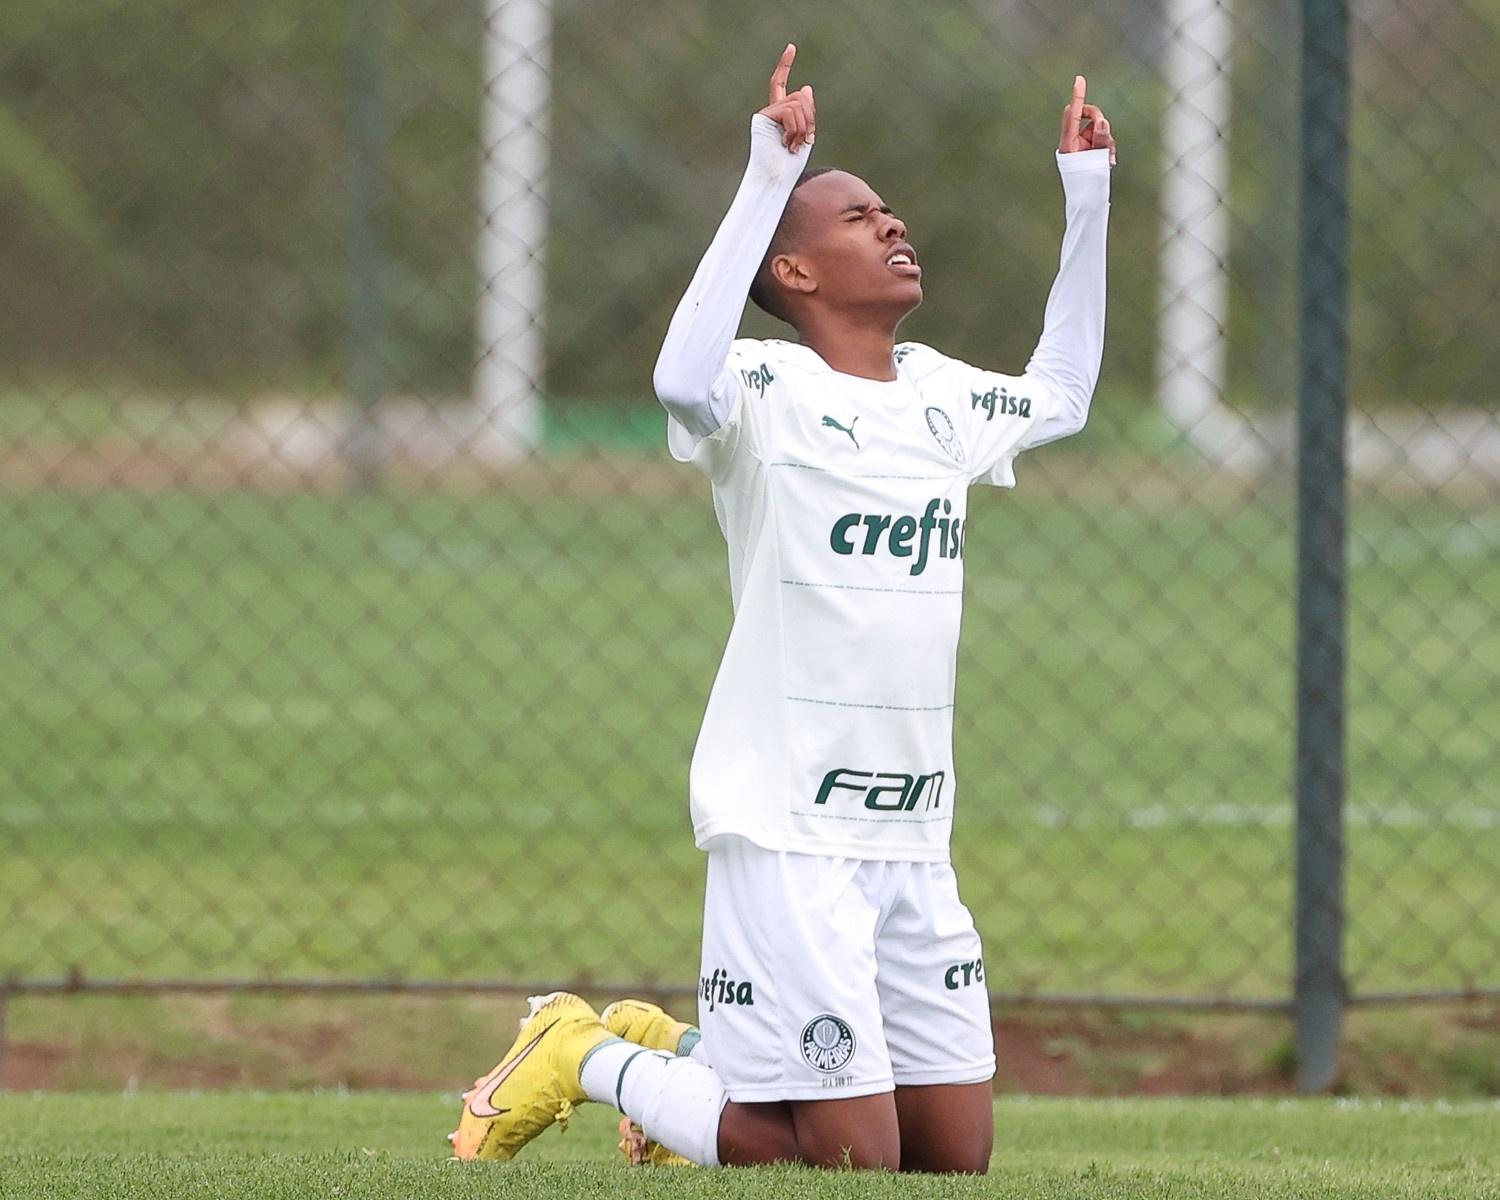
<point>975,1158</point>
<point>968,1161</point>
<point>970,1156</point>
<point>756,1135</point>
<point>858,1152</point>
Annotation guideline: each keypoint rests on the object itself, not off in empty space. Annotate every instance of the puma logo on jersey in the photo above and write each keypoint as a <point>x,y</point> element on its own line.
<point>760,378</point>
<point>897,533</point>
<point>849,428</point>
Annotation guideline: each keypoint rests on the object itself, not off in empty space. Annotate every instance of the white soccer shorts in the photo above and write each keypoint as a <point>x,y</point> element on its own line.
<point>828,977</point>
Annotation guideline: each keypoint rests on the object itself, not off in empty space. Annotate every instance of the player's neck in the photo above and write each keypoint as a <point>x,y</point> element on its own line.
<point>851,347</point>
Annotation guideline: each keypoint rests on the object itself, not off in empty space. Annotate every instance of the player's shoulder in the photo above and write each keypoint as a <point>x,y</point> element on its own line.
<point>932,370</point>
<point>920,363</point>
<point>762,362</point>
<point>776,352</point>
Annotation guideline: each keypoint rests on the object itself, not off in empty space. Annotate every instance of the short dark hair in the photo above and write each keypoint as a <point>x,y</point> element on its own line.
<point>763,289</point>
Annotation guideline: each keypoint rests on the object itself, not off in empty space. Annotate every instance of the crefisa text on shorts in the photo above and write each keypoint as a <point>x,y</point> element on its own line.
<point>961,975</point>
<point>719,988</point>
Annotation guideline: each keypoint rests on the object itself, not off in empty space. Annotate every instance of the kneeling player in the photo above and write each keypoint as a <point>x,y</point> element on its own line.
<point>843,1005</point>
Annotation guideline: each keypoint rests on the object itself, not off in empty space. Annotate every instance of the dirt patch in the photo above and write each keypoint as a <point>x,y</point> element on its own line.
<point>1093,1053</point>
<point>32,1065</point>
<point>440,1043</point>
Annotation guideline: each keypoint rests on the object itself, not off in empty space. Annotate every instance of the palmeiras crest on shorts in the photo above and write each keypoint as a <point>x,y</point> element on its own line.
<point>827,1043</point>
<point>942,429</point>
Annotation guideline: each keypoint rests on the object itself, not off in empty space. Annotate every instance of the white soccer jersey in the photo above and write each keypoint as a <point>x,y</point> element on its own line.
<point>829,729</point>
<point>842,500</point>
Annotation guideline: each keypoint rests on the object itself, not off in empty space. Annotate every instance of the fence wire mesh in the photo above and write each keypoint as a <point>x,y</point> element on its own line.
<point>325,661</point>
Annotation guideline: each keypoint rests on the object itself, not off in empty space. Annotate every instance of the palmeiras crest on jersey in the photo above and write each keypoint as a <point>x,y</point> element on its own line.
<point>827,1043</point>
<point>942,429</point>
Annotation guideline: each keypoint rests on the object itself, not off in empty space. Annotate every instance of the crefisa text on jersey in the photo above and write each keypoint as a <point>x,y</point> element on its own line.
<point>902,531</point>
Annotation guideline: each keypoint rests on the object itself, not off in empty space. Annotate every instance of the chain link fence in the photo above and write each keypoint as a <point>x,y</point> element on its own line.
<point>340,652</point>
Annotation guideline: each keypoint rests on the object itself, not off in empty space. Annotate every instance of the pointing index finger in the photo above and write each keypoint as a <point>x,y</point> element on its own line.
<point>781,73</point>
<point>1075,106</point>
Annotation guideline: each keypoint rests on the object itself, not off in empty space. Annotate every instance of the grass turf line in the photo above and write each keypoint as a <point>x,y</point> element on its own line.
<point>377,1145</point>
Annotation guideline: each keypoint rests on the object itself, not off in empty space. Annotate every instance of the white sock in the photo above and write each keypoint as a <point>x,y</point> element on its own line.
<point>676,1101</point>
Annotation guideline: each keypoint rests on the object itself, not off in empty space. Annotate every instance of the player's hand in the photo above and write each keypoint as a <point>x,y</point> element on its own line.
<point>796,113</point>
<point>1084,126</point>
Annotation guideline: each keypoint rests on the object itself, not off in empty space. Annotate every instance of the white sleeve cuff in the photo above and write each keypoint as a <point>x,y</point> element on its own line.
<point>1085,177</point>
<point>1076,161</point>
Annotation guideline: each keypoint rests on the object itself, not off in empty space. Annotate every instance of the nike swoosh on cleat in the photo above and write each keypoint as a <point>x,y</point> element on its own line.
<point>486,1094</point>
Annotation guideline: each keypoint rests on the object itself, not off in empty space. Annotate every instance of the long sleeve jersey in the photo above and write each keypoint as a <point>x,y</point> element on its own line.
<point>843,500</point>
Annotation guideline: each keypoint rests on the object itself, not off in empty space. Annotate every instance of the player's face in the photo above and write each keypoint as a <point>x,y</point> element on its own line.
<point>856,248</point>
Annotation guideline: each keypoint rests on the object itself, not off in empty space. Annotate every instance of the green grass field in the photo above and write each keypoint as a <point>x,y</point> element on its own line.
<point>437,734</point>
<point>165,1146</point>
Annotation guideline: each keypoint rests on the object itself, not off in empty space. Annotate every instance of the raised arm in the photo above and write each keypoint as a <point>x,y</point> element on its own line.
<point>690,378</point>
<point>1068,355</point>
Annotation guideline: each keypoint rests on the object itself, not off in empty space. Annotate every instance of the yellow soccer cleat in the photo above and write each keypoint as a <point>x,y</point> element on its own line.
<point>535,1084</point>
<point>641,1151</point>
<point>647,1025</point>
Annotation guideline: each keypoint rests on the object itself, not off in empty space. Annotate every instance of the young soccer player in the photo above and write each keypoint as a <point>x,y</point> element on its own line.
<point>842,1006</point>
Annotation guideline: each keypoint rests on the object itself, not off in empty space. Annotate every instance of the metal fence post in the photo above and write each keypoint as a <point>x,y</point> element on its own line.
<point>1321,540</point>
<point>515,161</point>
<point>367,318</point>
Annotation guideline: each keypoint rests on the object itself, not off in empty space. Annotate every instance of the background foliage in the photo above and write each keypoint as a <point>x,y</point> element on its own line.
<point>171,180</point>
